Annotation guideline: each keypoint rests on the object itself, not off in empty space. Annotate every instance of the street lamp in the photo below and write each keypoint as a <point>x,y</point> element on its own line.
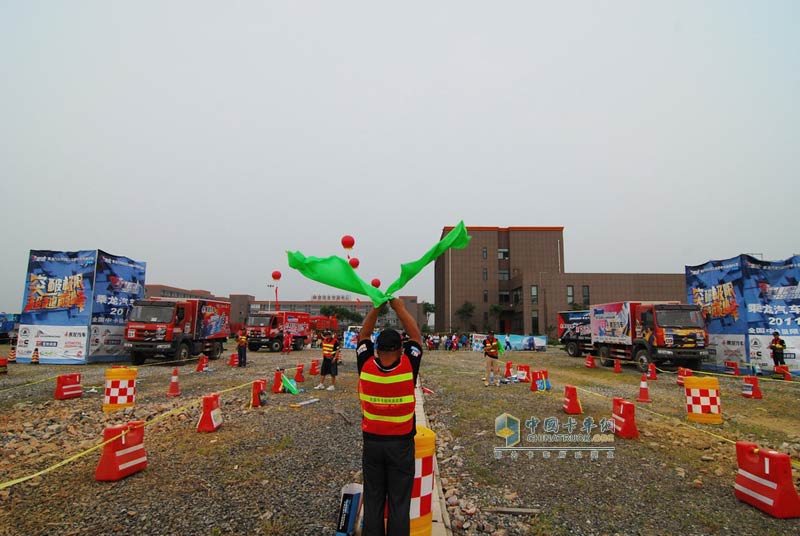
<point>544,303</point>
<point>269,301</point>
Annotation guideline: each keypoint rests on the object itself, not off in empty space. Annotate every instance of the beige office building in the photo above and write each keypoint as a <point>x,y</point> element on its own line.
<point>517,282</point>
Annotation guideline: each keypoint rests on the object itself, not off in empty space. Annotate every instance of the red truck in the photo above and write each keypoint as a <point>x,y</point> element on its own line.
<point>162,327</point>
<point>649,332</point>
<point>264,328</point>
<point>323,323</point>
<point>574,332</point>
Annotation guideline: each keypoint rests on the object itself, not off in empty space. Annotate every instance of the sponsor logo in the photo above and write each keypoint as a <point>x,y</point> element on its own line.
<point>47,344</point>
<point>507,427</point>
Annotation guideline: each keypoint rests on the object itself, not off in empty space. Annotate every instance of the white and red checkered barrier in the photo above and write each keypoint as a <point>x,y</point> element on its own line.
<point>703,403</point>
<point>120,389</point>
<point>422,493</point>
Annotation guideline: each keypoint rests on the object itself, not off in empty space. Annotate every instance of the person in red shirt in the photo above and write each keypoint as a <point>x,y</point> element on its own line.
<point>387,378</point>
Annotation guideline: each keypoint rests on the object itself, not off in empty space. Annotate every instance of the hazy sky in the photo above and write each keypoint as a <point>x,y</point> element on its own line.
<point>207,138</point>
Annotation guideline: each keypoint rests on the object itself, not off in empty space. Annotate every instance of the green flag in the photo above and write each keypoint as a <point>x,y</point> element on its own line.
<point>336,272</point>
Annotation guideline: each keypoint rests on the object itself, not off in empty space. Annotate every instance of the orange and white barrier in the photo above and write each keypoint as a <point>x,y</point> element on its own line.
<point>120,388</point>
<point>644,390</point>
<point>537,377</point>
<point>211,418</point>
<point>174,388</point>
<point>572,406</point>
<point>314,367</point>
<point>422,491</point>
<point>68,386</point>
<point>750,388</point>
<point>703,403</point>
<point>651,372</point>
<point>590,362</point>
<point>277,382</point>
<point>624,415</point>
<point>3,365</point>
<point>259,390</point>
<point>12,355</point>
<point>234,360</point>
<point>734,365</point>
<point>524,373</point>
<point>202,364</point>
<point>298,375</point>
<point>617,366</point>
<point>783,369</point>
<point>509,367</point>
<point>764,480</point>
<point>124,455</point>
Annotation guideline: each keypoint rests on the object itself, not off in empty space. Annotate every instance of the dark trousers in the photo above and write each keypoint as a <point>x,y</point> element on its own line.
<point>388,468</point>
<point>242,355</point>
<point>777,358</point>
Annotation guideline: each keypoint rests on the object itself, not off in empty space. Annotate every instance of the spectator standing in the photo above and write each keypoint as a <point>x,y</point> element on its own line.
<point>491,352</point>
<point>777,345</point>
<point>241,347</point>
<point>330,361</point>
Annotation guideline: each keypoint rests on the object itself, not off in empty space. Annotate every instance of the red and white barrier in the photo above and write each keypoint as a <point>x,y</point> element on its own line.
<point>624,414</point>
<point>124,455</point>
<point>68,386</point>
<point>764,480</point>
<point>211,418</point>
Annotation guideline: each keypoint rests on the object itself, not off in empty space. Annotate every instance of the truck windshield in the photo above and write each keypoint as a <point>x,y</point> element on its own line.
<point>152,313</point>
<point>679,318</point>
<point>258,321</point>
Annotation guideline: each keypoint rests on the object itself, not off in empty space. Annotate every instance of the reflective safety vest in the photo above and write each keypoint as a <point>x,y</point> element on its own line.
<point>490,346</point>
<point>327,347</point>
<point>242,340</point>
<point>387,398</point>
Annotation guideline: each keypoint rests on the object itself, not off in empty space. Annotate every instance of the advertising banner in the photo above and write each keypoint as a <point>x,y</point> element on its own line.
<point>750,299</point>
<point>118,282</point>
<point>610,323</point>
<point>56,344</point>
<point>58,288</point>
<point>515,342</point>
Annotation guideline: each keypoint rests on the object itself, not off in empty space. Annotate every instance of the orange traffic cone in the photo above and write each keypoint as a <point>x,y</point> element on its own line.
<point>683,373</point>
<point>314,367</point>
<point>174,388</point>
<point>590,361</point>
<point>277,382</point>
<point>298,376</point>
<point>617,366</point>
<point>572,406</point>
<point>35,357</point>
<point>234,360</point>
<point>509,366</point>
<point>750,387</point>
<point>651,372</point>
<point>644,391</point>
<point>12,356</point>
<point>201,364</point>
<point>259,397</point>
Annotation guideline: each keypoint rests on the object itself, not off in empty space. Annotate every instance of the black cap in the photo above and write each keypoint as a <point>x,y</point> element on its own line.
<point>775,334</point>
<point>389,340</point>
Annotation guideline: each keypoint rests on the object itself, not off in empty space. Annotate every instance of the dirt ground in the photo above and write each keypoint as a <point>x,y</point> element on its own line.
<point>278,469</point>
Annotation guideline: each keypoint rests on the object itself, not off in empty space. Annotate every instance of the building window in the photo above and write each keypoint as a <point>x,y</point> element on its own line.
<point>504,297</point>
<point>485,296</point>
<point>570,294</point>
<point>535,323</point>
<point>485,253</point>
<point>503,275</point>
<point>534,294</point>
<point>585,291</point>
<point>502,254</point>
<point>486,274</point>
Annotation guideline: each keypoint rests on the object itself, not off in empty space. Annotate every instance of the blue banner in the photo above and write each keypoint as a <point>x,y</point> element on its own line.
<point>118,282</point>
<point>58,288</point>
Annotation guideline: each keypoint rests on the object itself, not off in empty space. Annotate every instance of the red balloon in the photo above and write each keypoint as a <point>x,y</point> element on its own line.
<point>376,282</point>
<point>276,275</point>
<point>354,263</point>
<point>348,242</point>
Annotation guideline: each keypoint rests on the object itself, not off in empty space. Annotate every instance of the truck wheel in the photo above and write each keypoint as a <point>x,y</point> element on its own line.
<point>573,350</point>
<point>183,352</point>
<point>642,358</point>
<point>605,356</point>
<point>253,347</point>
<point>216,350</point>
<point>275,345</point>
<point>693,364</point>
<point>137,358</point>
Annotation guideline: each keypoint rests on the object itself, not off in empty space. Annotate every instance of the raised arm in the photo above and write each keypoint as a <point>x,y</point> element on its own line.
<point>369,324</point>
<point>407,321</point>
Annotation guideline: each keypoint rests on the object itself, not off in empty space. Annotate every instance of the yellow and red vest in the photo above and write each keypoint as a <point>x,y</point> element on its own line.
<point>327,347</point>
<point>387,398</point>
<point>490,346</point>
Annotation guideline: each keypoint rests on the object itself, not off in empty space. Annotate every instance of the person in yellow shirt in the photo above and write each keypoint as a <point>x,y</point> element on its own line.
<point>241,347</point>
